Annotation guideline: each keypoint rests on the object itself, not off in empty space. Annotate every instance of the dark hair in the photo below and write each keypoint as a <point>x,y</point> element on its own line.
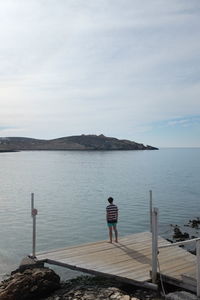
<point>110,200</point>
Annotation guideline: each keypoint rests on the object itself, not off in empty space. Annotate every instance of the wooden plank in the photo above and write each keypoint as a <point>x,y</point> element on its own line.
<point>87,248</point>
<point>88,259</point>
<point>112,253</point>
<point>137,273</point>
<point>187,256</point>
<point>183,256</point>
<point>173,263</point>
<point>98,245</point>
<point>65,253</point>
<point>134,270</point>
<point>174,250</point>
<point>114,248</point>
<point>133,238</point>
<point>103,266</point>
<point>174,258</point>
<point>178,271</point>
<point>121,266</point>
<point>95,272</point>
<point>119,250</point>
<point>129,260</point>
<point>108,258</point>
<point>101,262</point>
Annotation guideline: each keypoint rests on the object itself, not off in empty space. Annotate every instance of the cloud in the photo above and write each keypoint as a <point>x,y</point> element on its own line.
<point>178,122</point>
<point>192,120</point>
<point>112,66</point>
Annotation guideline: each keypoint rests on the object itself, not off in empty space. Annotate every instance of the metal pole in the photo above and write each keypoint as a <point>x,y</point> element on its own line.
<point>150,210</point>
<point>32,202</point>
<point>154,243</point>
<point>198,267</point>
<point>33,214</point>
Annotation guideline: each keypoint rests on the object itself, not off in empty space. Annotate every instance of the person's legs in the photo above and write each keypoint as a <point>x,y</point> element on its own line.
<point>116,233</point>
<point>110,233</point>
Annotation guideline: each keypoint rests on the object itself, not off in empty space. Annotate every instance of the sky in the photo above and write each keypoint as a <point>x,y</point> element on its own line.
<point>128,69</point>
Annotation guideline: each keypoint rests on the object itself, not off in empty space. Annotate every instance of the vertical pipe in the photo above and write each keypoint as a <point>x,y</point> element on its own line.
<point>154,243</point>
<point>198,267</point>
<point>150,210</point>
<point>32,203</point>
<point>34,225</point>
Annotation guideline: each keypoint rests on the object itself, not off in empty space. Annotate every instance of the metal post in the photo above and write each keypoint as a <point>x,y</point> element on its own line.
<point>150,210</point>
<point>33,214</point>
<point>198,267</point>
<point>154,243</point>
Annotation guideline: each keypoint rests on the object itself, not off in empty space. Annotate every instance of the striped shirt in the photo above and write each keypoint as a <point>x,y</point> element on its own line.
<point>112,213</point>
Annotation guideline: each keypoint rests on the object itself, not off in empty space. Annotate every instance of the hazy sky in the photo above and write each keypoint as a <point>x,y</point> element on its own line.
<point>125,68</point>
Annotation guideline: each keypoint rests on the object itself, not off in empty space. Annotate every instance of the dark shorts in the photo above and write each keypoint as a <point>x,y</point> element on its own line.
<point>110,224</point>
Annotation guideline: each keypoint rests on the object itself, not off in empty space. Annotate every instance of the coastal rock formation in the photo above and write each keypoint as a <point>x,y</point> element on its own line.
<point>43,283</point>
<point>92,293</point>
<point>30,284</point>
<point>79,142</point>
<point>181,295</point>
<point>179,235</point>
<point>99,288</point>
<point>195,223</point>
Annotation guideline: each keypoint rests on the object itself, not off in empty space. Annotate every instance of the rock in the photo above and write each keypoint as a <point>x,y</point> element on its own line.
<point>28,262</point>
<point>178,235</point>
<point>125,297</point>
<point>88,296</point>
<point>98,288</point>
<point>30,284</point>
<point>194,223</point>
<point>182,295</point>
<point>116,295</point>
<point>112,290</point>
<point>95,293</point>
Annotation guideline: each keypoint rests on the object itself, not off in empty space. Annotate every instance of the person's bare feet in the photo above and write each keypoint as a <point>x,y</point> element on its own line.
<point>116,241</point>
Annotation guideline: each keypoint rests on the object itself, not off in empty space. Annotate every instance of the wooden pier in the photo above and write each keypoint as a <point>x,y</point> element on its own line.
<point>140,259</point>
<point>130,260</point>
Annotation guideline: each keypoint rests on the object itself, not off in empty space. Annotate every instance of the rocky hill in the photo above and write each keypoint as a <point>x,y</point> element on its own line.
<point>79,142</point>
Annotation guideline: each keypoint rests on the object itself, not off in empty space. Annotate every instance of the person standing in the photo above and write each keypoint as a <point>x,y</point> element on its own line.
<point>112,218</point>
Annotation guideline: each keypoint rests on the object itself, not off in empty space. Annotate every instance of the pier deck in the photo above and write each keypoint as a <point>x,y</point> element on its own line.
<point>129,260</point>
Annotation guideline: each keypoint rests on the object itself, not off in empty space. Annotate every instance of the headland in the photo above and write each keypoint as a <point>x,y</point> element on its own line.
<point>78,142</point>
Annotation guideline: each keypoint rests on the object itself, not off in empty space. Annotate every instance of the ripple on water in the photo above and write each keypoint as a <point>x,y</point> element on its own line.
<point>71,191</point>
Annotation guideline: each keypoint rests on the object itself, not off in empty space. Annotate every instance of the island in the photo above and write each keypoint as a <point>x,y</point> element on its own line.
<point>77,142</point>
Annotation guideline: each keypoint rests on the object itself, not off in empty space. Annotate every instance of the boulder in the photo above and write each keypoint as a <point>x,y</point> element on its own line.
<point>194,223</point>
<point>181,295</point>
<point>28,262</point>
<point>29,284</point>
<point>179,235</point>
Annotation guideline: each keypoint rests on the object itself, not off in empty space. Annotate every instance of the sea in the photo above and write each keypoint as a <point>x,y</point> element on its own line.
<point>71,190</point>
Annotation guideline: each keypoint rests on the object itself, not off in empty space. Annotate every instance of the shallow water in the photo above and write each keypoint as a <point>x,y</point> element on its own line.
<point>71,190</point>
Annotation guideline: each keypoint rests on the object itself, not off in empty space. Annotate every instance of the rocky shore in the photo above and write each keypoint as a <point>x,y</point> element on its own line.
<point>90,288</point>
<point>43,283</point>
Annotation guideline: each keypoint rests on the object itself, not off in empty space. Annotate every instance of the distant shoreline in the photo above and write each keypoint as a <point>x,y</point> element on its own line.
<point>80,142</point>
<point>5,151</point>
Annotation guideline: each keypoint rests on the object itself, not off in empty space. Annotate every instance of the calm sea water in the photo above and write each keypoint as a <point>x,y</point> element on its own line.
<point>71,190</point>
